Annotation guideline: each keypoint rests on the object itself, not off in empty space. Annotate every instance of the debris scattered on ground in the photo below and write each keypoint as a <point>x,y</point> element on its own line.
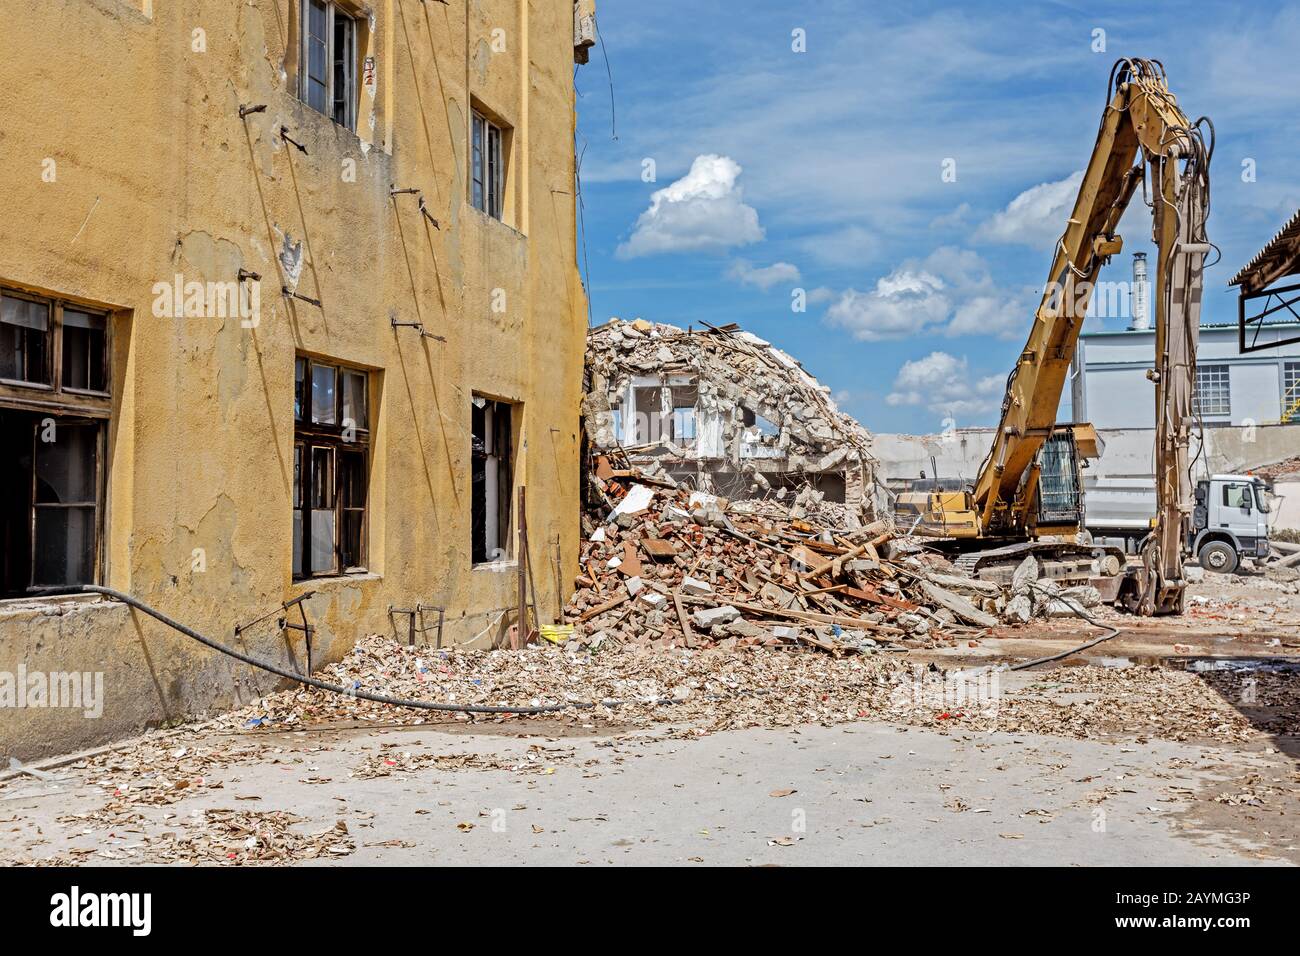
<point>695,692</point>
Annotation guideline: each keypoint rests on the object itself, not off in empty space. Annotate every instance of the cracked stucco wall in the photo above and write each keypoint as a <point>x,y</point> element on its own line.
<point>157,175</point>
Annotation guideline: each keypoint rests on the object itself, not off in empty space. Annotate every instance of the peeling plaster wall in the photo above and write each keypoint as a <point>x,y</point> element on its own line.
<point>156,174</point>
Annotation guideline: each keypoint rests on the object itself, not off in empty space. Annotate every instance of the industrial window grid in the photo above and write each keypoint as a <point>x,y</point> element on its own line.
<point>1212,395</point>
<point>1291,391</point>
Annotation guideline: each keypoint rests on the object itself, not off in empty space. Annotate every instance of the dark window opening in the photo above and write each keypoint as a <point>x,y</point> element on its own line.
<point>84,355</point>
<point>650,414</point>
<point>25,332</point>
<point>492,480</point>
<point>330,468</point>
<point>49,500</point>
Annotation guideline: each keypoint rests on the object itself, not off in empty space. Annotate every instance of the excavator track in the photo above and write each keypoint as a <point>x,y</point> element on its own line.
<point>1099,565</point>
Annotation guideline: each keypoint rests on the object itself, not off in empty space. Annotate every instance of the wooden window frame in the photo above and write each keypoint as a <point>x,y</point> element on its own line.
<point>310,435</point>
<point>351,95</point>
<point>67,406</point>
<point>53,389</point>
<point>487,161</point>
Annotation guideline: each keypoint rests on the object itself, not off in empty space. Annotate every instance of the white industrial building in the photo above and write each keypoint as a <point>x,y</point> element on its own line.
<point>1261,388</point>
<point>1110,388</point>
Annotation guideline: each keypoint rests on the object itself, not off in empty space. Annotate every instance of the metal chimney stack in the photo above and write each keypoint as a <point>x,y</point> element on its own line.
<point>1139,294</point>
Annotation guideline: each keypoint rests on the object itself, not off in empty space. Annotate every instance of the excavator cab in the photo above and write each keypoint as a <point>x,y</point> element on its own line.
<point>1051,495</point>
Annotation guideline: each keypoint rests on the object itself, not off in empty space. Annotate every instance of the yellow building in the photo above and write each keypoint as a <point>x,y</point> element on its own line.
<point>289,304</point>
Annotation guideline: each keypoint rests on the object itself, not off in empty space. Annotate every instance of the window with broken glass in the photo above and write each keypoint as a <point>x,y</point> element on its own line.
<point>491,479</point>
<point>55,408</point>
<point>331,454</point>
<point>487,168</point>
<point>328,61</point>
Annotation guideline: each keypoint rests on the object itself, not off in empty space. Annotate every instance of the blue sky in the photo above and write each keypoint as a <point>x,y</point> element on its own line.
<point>822,170</point>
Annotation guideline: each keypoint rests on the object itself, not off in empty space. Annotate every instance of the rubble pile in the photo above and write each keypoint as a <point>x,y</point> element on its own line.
<point>665,567</point>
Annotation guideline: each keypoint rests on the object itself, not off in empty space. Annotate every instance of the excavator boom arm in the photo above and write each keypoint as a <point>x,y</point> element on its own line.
<point>1141,127</point>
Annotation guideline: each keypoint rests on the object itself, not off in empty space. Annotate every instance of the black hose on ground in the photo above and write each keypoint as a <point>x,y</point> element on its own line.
<point>307,679</point>
<point>1079,612</point>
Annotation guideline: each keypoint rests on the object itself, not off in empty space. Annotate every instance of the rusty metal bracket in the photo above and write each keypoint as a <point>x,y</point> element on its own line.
<point>245,274</point>
<point>284,623</point>
<point>424,209</point>
<point>284,135</point>
<point>245,110</point>
<point>416,325</point>
<point>417,613</point>
<point>428,215</point>
<point>284,289</point>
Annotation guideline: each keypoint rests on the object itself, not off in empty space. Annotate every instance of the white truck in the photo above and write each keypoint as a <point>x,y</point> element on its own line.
<point>1229,522</point>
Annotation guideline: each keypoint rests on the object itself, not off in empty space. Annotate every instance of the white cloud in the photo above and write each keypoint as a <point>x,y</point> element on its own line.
<point>942,383</point>
<point>1036,217</point>
<point>902,303</point>
<point>701,211</point>
<point>950,292</point>
<point>764,277</point>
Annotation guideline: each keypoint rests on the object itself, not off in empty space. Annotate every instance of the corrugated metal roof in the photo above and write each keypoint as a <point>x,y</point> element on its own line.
<point>1280,257</point>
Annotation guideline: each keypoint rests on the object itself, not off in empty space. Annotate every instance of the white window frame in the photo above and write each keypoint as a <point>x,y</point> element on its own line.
<point>333,11</point>
<point>1208,380</point>
<point>627,436</point>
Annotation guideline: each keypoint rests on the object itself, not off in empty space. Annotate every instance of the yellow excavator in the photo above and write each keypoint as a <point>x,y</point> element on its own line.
<point>1027,497</point>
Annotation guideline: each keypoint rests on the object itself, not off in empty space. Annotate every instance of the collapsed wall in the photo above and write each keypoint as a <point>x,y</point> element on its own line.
<point>720,410</point>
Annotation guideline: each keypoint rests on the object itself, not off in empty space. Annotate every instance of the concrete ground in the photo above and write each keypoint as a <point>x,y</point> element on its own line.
<point>564,792</point>
<point>862,793</point>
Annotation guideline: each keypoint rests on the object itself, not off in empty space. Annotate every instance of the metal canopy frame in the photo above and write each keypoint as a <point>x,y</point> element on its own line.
<point>1275,300</point>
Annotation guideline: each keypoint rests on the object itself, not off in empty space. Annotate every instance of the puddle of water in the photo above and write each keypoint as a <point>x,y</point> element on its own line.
<point>1117,662</point>
<point>1201,665</point>
<point>1265,665</point>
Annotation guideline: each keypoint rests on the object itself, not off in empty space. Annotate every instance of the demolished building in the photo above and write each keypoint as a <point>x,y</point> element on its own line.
<point>720,410</point>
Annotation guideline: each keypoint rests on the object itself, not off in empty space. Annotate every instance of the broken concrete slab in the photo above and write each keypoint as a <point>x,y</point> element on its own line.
<point>954,582</point>
<point>706,618</point>
<point>1024,575</point>
<point>694,586</point>
<point>958,605</point>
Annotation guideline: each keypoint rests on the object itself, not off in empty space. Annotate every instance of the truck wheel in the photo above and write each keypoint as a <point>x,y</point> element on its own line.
<point>1219,557</point>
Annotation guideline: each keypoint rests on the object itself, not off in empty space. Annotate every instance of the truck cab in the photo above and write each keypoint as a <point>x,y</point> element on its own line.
<point>1229,522</point>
